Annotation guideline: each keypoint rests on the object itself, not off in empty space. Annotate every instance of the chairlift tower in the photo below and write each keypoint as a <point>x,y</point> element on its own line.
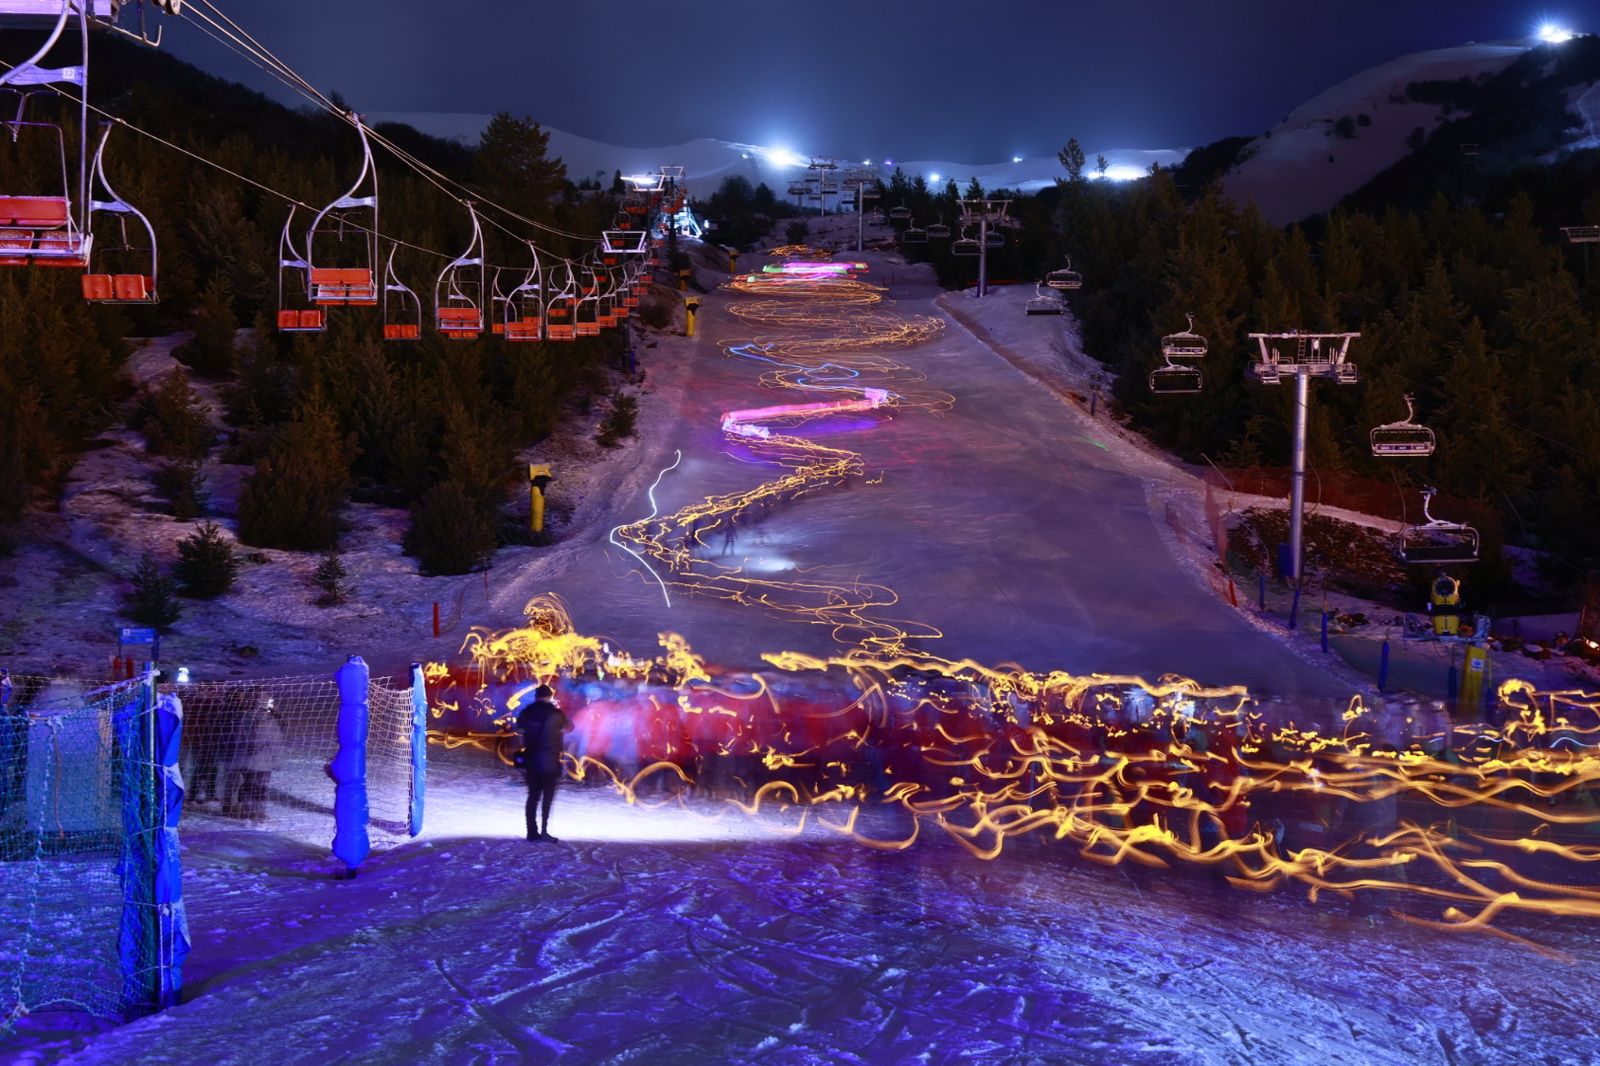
<point>983,214</point>
<point>864,184</point>
<point>1584,235</point>
<point>822,174</point>
<point>1303,356</point>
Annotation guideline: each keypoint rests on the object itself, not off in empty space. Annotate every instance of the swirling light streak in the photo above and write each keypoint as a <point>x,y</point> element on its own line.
<point>651,495</point>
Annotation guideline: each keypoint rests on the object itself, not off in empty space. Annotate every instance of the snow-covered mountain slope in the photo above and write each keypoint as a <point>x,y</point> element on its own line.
<point>707,161</point>
<point>1304,165</point>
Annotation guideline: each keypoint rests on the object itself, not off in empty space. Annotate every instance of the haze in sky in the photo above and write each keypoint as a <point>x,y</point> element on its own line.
<point>929,79</point>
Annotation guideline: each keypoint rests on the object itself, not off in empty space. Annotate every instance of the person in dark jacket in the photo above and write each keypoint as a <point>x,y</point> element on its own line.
<point>541,724</point>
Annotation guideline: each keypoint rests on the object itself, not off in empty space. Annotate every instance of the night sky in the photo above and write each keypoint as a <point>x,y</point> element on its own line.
<point>964,81</point>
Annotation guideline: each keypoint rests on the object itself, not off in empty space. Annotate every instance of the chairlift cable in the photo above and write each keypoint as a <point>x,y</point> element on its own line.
<point>197,157</point>
<point>267,61</point>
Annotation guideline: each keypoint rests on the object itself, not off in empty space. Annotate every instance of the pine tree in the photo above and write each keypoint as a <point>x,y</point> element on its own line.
<point>330,578</point>
<point>294,498</point>
<point>152,599</point>
<point>449,533</point>
<point>1072,160</point>
<point>210,353</point>
<point>619,422</point>
<point>182,485</point>
<point>173,419</point>
<point>207,565</point>
<point>513,166</point>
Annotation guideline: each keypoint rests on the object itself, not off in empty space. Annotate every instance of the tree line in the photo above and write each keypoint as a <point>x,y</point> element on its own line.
<point>430,425</point>
<point>1476,308</point>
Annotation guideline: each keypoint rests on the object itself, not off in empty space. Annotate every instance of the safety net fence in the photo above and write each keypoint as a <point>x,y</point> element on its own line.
<point>92,787</point>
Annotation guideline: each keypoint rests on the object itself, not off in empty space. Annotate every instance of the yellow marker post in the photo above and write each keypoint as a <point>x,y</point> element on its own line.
<point>733,262</point>
<point>539,476</point>
<point>690,306</point>
<point>683,280</point>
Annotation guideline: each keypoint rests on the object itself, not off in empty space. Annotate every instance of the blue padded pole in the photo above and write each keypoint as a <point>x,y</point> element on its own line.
<point>1383,666</point>
<point>173,939</point>
<point>419,747</point>
<point>351,842</point>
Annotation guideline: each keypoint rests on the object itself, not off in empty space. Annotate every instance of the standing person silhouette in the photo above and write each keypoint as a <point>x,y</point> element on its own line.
<point>541,724</point>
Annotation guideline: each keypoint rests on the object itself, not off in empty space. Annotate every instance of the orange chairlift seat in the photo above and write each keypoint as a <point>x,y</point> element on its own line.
<point>402,308</point>
<point>519,314</point>
<point>48,227</point>
<point>586,314</point>
<point>351,283</point>
<point>294,286</point>
<point>560,312</point>
<point>103,285</point>
<point>459,291</point>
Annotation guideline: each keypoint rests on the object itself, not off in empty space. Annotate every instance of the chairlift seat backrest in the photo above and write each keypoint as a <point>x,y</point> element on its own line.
<point>34,212</point>
<point>313,320</point>
<point>1176,380</point>
<point>1439,554</point>
<point>1402,442</point>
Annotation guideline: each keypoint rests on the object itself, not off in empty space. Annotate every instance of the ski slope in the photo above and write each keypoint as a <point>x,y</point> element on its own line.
<point>1302,166</point>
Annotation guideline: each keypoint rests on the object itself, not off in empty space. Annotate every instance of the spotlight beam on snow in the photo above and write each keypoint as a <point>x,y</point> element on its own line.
<point>654,510</point>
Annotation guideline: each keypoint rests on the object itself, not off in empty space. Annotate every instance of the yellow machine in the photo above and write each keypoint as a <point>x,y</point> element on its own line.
<point>1444,599</point>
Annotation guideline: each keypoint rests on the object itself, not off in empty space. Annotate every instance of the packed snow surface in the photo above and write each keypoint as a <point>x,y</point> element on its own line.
<point>687,935</point>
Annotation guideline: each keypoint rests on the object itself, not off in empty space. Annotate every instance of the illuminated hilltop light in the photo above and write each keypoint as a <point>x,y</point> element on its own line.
<point>933,177</point>
<point>1550,33</point>
<point>781,157</point>
<point>1120,172</point>
<point>1016,159</point>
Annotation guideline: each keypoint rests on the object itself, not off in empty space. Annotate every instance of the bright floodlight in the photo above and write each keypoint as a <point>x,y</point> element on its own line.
<point>1550,33</point>
<point>1016,159</point>
<point>933,177</point>
<point>782,157</point>
<point>1120,172</point>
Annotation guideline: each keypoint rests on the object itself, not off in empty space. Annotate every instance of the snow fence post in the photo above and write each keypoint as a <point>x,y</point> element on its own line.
<point>1383,666</point>
<point>134,729</point>
<point>349,767</point>
<point>419,746</point>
